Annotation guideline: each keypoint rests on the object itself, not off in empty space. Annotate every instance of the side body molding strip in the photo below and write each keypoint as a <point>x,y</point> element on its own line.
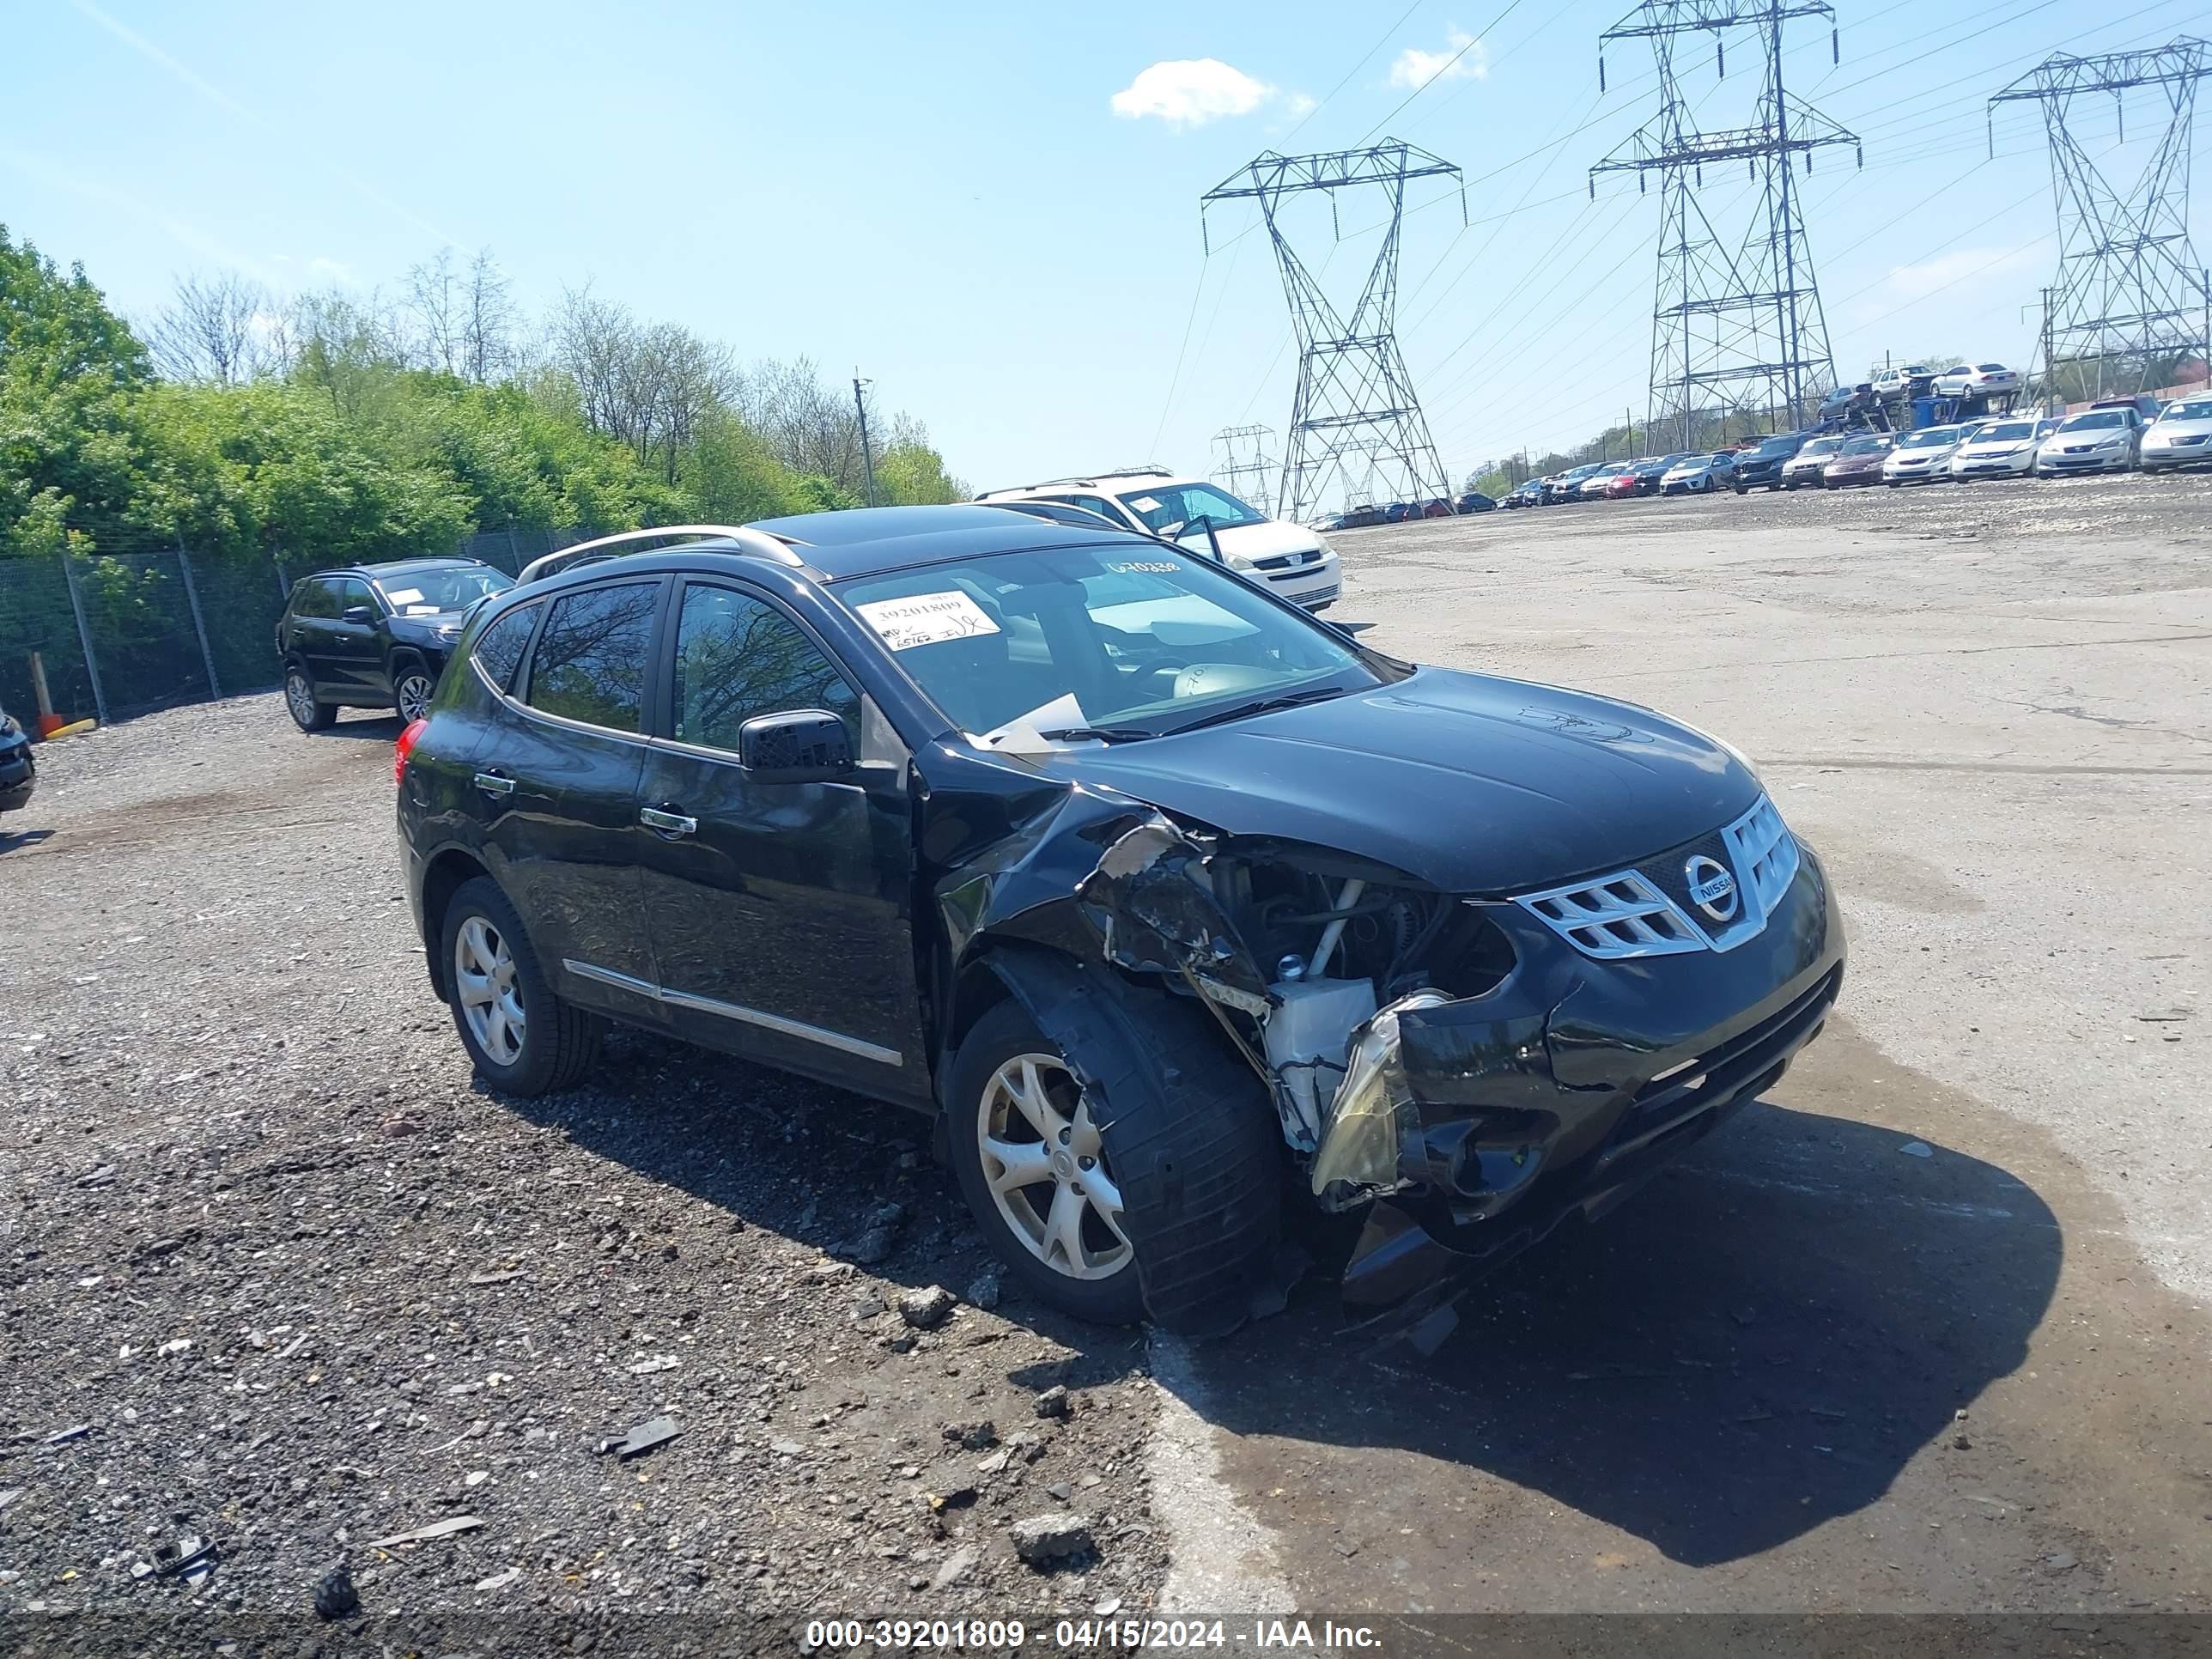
<point>767,1021</point>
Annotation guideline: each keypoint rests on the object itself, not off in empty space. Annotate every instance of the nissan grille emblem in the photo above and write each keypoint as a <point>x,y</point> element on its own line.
<point>1711,888</point>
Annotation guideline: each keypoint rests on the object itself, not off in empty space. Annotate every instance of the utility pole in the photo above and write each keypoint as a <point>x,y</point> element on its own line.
<point>1355,398</point>
<point>2130,293</point>
<point>1736,324</point>
<point>868,456</point>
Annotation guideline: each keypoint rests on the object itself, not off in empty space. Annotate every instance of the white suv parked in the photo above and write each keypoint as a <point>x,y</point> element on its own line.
<point>1289,558</point>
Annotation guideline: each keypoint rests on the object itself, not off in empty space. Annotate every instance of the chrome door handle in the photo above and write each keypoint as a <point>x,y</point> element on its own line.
<point>668,823</point>
<point>493,784</point>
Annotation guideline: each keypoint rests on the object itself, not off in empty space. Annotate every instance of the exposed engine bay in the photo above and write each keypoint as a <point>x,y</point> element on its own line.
<point>1439,1059</point>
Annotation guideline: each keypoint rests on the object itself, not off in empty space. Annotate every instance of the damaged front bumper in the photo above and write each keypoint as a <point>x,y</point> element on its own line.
<point>1474,1126</point>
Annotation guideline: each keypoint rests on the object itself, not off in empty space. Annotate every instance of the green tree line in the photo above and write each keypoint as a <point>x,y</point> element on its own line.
<point>337,427</point>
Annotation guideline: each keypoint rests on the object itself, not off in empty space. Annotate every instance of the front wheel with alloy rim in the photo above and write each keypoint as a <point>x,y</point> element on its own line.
<point>1142,1179</point>
<point>300,702</point>
<point>1034,1172</point>
<point>413,685</point>
<point>524,1038</point>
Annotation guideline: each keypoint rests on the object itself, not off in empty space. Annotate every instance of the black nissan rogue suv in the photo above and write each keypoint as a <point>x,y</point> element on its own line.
<point>1140,881</point>
<point>375,635</point>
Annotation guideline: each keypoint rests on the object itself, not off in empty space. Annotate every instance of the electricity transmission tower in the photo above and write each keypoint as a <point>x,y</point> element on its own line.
<point>2130,300</point>
<point>1736,324</point>
<point>1355,417</point>
<point>1241,463</point>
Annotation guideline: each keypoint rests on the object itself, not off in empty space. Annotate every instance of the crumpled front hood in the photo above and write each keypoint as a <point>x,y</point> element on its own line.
<point>1473,784</point>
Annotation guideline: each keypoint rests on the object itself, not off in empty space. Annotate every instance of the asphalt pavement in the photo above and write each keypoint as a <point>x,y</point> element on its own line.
<point>1925,1329</point>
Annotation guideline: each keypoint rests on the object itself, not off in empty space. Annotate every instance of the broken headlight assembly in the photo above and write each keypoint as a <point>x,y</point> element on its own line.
<point>1373,1126</point>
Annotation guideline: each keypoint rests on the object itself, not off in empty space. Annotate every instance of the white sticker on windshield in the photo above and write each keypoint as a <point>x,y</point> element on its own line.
<point>925,619</point>
<point>405,596</point>
<point>1145,504</point>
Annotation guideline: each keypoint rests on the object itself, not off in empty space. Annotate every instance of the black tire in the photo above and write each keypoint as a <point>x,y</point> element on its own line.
<point>308,714</point>
<point>413,685</point>
<point>1743,489</point>
<point>1190,1139</point>
<point>559,1040</point>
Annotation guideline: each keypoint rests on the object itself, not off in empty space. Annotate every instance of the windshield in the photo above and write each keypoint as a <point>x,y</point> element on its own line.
<point>1866,447</point>
<point>1140,641</point>
<point>1934,438</point>
<point>1822,446</point>
<point>2095,421</point>
<point>2013,430</point>
<point>1778,446</point>
<point>1166,510</point>
<point>2198,410</point>
<point>429,592</point>
<point>1988,368</point>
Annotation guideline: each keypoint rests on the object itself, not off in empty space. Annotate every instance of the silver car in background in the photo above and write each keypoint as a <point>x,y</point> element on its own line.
<point>2000,449</point>
<point>1977,380</point>
<point>2098,441</point>
<point>1924,456</point>
<point>2180,436</point>
<point>1805,466</point>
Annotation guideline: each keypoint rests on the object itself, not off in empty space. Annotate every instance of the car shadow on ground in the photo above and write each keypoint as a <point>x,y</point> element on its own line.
<point>1757,1342</point>
<point>16,841</point>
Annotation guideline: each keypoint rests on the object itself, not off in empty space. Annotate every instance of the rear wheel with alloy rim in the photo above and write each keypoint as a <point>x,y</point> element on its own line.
<point>524,1038</point>
<point>413,685</point>
<point>300,702</point>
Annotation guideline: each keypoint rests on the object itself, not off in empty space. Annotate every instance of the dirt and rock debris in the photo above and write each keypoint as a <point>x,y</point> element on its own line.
<point>282,1278</point>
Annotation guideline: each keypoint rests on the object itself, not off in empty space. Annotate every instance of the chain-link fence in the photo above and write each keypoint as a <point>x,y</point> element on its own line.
<point>118,634</point>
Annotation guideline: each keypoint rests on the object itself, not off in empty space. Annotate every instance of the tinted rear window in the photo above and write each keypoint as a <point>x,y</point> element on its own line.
<point>590,661</point>
<point>500,647</point>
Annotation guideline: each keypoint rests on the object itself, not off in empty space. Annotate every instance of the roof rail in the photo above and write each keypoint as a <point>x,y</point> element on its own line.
<point>756,542</point>
<point>1091,478</point>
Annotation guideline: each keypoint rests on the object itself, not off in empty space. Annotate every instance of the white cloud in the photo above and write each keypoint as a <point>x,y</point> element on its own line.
<point>322,267</point>
<point>1188,92</point>
<point>1463,58</point>
<point>1911,281</point>
<point>1298,105</point>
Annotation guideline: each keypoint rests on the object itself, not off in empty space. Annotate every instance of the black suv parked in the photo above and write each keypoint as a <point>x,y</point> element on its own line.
<point>1764,465</point>
<point>375,635</point>
<point>1140,881</point>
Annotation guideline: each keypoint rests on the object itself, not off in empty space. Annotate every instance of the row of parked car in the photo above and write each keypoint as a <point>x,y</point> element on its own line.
<point>1367,515</point>
<point>2115,434</point>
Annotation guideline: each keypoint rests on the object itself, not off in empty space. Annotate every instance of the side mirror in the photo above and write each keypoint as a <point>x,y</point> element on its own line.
<point>358,613</point>
<point>807,746</point>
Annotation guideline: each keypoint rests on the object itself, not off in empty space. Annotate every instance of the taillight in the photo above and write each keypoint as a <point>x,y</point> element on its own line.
<point>405,747</point>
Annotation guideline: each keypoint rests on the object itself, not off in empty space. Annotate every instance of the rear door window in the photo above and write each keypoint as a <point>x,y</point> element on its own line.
<point>315,598</point>
<point>499,648</point>
<point>591,657</point>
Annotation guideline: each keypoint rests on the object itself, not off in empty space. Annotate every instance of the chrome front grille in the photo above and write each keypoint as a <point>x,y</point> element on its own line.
<point>1764,854</point>
<point>1622,915</point>
<point>1651,908</point>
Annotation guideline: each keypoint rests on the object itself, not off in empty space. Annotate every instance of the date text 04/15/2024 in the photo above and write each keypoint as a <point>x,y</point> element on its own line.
<point>1297,1634</point>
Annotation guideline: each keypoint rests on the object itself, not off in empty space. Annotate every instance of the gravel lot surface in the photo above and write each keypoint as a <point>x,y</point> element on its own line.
<point>303,1285</point>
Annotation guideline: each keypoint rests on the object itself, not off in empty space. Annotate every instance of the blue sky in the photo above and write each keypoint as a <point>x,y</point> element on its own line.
<point>992,210</point>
